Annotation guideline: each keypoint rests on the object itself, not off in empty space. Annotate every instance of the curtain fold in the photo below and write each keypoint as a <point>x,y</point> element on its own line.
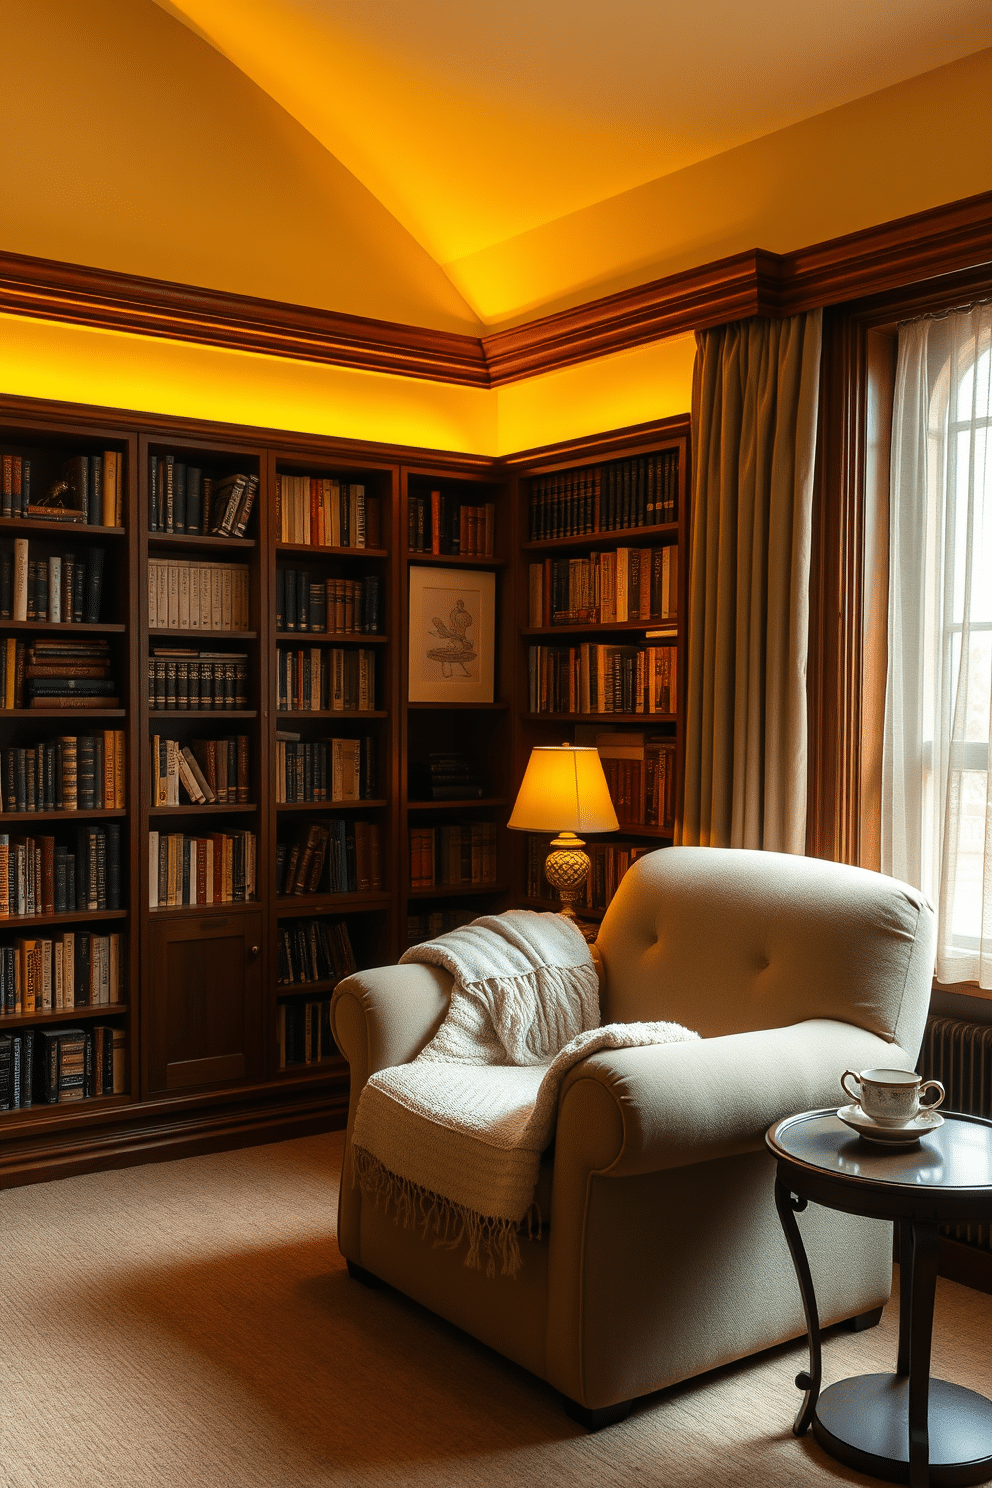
<point>754,420</point>
<point>936,797</point>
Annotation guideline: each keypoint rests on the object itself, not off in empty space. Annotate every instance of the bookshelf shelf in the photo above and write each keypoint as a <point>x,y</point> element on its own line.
<point>80,531</point>
<point>63,627</point>
<point>64,917</point>
<point>64,714</point>
<point>306,550</point>
<point>328,638</point>
<point>192,911</point>
<point>456,891</point>
<point>84,814</point>
<point>376,805</point>
<point>64,1015</point>
<point>40,1115</point>
<point>204,637</point>
<point>307,989</point>
<point>202,543</point>
<point>667,630</point>
<point>332,1067</point>
<point>605,720</point>
<point>454,560</point>
<point>458,707</point>
<point>621,537</point>
<point>468,804</point>
<point>341,713</point>
<point>217,715</point>
<point>206,808</point>
<point>322,904</point>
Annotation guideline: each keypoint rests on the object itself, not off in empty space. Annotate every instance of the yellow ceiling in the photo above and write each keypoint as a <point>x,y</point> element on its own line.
<point>474,121</point>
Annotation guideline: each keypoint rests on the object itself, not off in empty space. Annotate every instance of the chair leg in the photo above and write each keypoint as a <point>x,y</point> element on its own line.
<point>595,1420</point>
<point>359,1273</point>
<point>864,1320</point>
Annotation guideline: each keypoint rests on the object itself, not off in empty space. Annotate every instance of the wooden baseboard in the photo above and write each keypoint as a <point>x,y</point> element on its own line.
<point>968,1264</point>
<point>164,1136</point>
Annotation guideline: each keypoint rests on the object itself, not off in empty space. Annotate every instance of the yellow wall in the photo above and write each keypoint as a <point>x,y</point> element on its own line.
<point>907,148</point>
<point>41,359</point>
<point>128,143</point>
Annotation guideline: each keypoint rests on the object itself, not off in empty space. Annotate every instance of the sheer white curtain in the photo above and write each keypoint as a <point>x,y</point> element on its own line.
<point>936,776</point>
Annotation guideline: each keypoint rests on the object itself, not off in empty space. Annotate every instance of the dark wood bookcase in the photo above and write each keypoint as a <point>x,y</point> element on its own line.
<point>203,1003</point>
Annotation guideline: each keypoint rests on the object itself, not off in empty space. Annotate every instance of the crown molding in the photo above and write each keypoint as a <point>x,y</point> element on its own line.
<point>946,240</point>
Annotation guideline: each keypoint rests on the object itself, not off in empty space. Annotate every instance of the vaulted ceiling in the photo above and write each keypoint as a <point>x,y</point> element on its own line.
<point>474,121</point>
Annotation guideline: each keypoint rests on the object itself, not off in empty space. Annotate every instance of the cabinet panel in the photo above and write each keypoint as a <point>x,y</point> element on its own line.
<point>205,1014</point>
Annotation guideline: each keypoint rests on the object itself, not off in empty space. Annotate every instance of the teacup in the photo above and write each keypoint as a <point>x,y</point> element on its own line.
<point>891,1097</point>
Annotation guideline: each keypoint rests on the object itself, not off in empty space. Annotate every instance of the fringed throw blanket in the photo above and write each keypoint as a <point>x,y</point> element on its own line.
<point>454,1138</point>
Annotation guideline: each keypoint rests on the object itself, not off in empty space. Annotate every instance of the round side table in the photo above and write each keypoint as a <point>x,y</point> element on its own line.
<point>904,1427</point>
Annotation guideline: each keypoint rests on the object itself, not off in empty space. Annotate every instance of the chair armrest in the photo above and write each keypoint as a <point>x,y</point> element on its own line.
<point>384,1017</point>
<point>689,1103</point>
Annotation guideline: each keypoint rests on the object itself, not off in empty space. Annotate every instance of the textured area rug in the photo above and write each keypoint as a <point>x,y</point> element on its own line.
<point>192,1323</point>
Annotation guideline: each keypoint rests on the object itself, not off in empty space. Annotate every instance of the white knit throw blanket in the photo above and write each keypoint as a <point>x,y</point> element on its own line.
<point>453,1140</point>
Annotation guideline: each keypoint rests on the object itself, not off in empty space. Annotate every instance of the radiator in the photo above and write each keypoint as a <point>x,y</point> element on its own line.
<point>959,1055</point>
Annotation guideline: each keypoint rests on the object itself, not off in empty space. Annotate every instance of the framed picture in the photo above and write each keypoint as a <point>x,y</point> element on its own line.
<point>452,635</point>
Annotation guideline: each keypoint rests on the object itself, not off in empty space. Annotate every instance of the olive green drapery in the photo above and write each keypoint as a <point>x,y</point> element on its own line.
<point>754,416</point>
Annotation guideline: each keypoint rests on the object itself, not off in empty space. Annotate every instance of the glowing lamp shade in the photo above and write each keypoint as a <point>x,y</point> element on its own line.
<point>564,790</point>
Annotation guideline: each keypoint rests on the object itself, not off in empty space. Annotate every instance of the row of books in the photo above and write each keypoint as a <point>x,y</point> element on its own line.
<point>184,680</point>
<point>188,595</point>
<point>326,513</point>
<point>421,927</point>
<point>639,492</point>
<point>64,588</point>
<point>640,771</point>
<point>313,951</point>
<point>42,876</point>
<point>53,1066</point>
<point>609,862</point>
<point>594,678</point>
<point>75,772</point>
<point>218,868</point>
<point>330,857</point>
<point>443,524</point>
<point>90,490</point>
<point>605,588</point>
<point>322,679</point>
<point>324,769</point>
<point>49,672</point>
<point>446,855</point>
<point>303,1032</point>
<point>203,772</point>
<point>182,499</point>
<point>327,606</point>
<point>50,973</point>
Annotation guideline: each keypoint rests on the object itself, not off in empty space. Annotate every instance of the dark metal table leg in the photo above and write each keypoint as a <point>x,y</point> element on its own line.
<point>924,1285</point>
<point>905,1294</point>
<point>788,1204</point>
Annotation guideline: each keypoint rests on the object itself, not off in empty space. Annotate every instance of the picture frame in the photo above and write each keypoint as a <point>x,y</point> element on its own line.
<point>452,645</point>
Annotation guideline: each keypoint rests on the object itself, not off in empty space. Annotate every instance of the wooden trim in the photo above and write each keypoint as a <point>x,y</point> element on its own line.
<point>116,301</point>
<point>598,447</point>
<point>946,240</point>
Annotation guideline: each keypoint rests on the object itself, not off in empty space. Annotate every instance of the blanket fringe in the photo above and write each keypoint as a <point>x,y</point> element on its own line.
<point>449,1223</point>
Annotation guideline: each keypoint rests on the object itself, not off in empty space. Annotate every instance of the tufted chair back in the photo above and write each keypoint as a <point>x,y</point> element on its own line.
<point>729,941</point>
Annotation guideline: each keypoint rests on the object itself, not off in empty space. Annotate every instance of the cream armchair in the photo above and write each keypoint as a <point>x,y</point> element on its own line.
<point>661,1255</point>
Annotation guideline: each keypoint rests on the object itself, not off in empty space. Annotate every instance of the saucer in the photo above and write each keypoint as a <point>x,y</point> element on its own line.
<point>893,1136</point>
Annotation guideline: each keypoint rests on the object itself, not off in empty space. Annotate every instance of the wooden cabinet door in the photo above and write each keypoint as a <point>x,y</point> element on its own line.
<point>205,1010</point>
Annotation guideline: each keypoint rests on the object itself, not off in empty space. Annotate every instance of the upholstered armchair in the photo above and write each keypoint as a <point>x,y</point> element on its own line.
<point>661,1253</point>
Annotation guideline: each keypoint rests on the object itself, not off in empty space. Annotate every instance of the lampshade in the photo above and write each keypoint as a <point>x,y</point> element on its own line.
<point>563,790</point>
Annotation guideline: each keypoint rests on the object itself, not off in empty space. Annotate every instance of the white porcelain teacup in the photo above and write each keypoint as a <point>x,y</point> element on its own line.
<point>891,1097</point>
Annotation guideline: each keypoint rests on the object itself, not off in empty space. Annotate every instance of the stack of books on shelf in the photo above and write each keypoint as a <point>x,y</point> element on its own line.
<point>314,951</point>
<point>40,876</point>
<point>326,606</point>
<point>443,524</point>
<point>604,589</point>
<point>333,857</point>
<point>90,491</point>
<point>204,772</point>
<point>48,672</point>
<point>63,588</point>
<point>325,769</point>
<point>325,679</point>
<point>640,771</point>
<point>54,1066</point>
<point>188,681</point>
<point>72,970</point>
<point>182,499</point>
<point>449,855</point>
<point>593,678</point>
<point>609,863</point>
<point>217,868</point>
<point>74,772</point>
<point>326,513</point>
<point>447,775</point>
<point>303,1032</point>
<point>639,492</point>
<point>184,595</point>
<point>421,927</point>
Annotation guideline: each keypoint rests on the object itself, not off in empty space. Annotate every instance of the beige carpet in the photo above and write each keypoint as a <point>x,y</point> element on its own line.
<point>191,1324</point>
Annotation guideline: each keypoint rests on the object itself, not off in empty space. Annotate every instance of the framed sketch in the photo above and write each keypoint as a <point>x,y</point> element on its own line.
<point>452,635</point>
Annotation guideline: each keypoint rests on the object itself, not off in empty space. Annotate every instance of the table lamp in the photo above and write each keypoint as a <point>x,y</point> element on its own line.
<point>564,790</point>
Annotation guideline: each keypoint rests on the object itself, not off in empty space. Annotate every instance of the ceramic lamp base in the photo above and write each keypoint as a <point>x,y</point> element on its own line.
<point>566,869</point>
